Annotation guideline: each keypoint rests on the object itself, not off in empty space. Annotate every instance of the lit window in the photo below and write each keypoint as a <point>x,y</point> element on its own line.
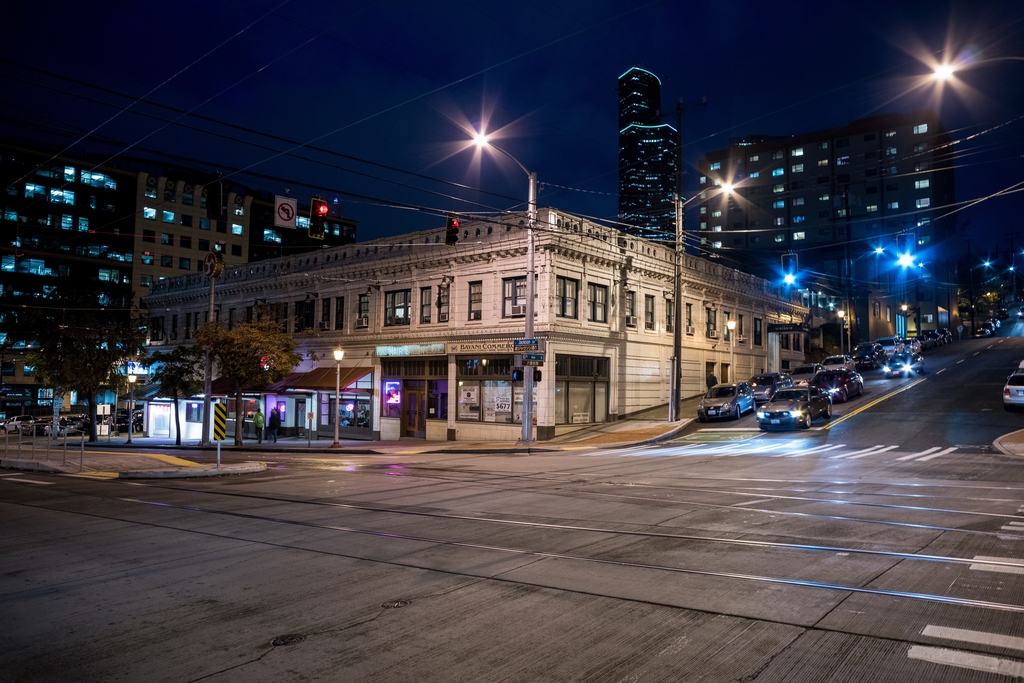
<point>799,218</point>
<point>716,245</point>
<point>872,208</point>
<point>716,228</point>
<point>703,225</point>
<point>823,197</point>
<point>168,216</point>
<point>146,280</point>
<point>62,196</point>
<point>890,133</point>
<point>797,168</point>
<point>716,182</point>
<point>715,166</point>
<point>753,157</point>
<point>301,222</point>
<point>841,213</point>
<point>777,172</point>
<point>797,152</point>
<point>83,224</point>
<point>716,214</point>
<point>236,229</point>
<point>149,213</point>
<point>703,210</point>
<point>842,161</point>
<point>798,201</point>
<point>147,258</point>
<point>755,174</point>
<point>920,128</point>
<point>921,222</point>
<point>271,236</point>
<point>778,155</point>
<point>167,238</point>
<point>799,236</point>
<point>921,147</point>
<point>780,237</point>
<point>703,179</point>
<point>779,204</point>
<point>822,162</point>
<point>67,222</point>
<point>924,202</point>
<point>184,264</point>
<point>822,145</point>
<point>781,187</point>
<point>891,151</point>
<point>892,205</point>
<point>921,184</point>
<point>779,220</point>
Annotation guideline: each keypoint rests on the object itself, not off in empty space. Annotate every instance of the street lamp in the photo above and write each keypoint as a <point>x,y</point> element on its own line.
<point>842,315</point>
<point>480,140</point>
<point>338,355</point>
<point>131,408</point>
<point>731,325</point>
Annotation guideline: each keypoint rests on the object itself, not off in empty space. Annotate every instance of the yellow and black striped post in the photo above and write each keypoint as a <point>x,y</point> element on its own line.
<point>220,426</point>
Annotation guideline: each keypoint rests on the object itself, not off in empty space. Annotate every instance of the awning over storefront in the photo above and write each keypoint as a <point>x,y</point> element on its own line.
<point>321,379</point>
<point>221,387</point>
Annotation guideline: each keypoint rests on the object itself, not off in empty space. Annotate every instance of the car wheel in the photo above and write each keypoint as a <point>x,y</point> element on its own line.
<point>843,396</point>
<point>828,412</point>
<point>701,419</point>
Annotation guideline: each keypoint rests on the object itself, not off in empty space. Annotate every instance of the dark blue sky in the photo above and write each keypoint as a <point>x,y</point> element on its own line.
<point>397,83</point>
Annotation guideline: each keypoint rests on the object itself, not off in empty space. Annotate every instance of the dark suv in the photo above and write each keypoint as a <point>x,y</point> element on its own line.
<point>869,356</point>
<point>767,383</point>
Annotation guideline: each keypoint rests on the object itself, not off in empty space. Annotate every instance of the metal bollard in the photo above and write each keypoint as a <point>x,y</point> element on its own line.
<point>81,454</point>
<point>33,443</point>
<point>65,461</point>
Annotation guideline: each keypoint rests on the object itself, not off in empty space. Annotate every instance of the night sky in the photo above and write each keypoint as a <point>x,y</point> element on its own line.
<point>384,88</point>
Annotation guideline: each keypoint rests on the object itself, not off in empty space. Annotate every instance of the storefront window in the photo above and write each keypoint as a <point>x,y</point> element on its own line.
<point>391,398</point>
<point>437,399</point>
<point>469,400</point>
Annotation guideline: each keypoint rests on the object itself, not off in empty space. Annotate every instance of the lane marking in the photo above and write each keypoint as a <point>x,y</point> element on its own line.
<point>976,637</point>
<point>966,660</point>
<point>860,453</point>
<point>915,455</point>
<point>941,371</point>
<point>878,400</point>
<point>31,481</point>
<point>960,361</point>
<point>883,450</point>
<point>816,449</point>
<point>976,353</point>
<point>12,474</point>
<point>1002,569</point>
<point>935,455</point>
<point>752,502</point>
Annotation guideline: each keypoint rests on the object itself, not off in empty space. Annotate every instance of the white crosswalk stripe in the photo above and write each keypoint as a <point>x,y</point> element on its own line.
<point>914,456</point>
<point>776,449</point>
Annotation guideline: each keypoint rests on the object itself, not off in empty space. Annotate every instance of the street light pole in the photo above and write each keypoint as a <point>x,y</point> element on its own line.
<point>731,326</point>
<point>131,409</point>
<point>842,316</point>
<point>338,355</point>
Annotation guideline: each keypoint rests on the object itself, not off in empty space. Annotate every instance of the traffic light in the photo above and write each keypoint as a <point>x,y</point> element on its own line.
<point>790,265</point>
<point>317,218</point>
<point>451,233</point>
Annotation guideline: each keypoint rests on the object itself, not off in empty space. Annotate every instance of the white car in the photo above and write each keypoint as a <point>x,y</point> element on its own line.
<point>19,423</point>
<point>891,345</point>
<point>839,363</point>
<point>803,375</point>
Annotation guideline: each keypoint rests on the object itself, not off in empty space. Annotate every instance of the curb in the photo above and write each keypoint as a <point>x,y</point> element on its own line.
<point>30,465</point>
<point>184,473</point>
<point>998,444</point>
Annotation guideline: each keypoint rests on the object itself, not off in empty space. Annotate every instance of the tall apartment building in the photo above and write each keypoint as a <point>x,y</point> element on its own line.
<point>834,198</point>
<point>648,159</point>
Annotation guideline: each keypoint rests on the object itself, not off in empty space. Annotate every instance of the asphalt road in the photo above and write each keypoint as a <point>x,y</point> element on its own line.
<point>886,544</point>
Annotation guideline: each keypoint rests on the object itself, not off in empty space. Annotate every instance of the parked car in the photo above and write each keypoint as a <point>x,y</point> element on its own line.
<point>121,423</point>
<point>890,344</point>
<point>983,331</point>
<point>766,384</point>
<point>839,363</point>
<point>1013,390</point>
<point>726,400</point>
<point>912,345</point>
<point>794,407</point>
<point>903,364</point>
<point>946,334</point>
<point>995,322</point>
<point>19,423</point>
<point>805,373</point>
<point>1002,314</point>
<point>840,385</point>
<point>924,341</point>
<point>934,337</point>
<point>868,356</point>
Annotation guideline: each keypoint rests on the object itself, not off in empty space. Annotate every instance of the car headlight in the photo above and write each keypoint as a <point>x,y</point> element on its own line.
<point>760,415</point>
<point>726,406</point>
<point>906,367</point>
<point>796,413</point>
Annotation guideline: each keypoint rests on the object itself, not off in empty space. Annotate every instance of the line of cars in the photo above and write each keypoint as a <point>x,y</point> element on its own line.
<point>28,424</point>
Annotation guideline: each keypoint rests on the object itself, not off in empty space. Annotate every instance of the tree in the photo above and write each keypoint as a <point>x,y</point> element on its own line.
<point>180,374</point>
<point>83,354</point>
<point>253,354</point>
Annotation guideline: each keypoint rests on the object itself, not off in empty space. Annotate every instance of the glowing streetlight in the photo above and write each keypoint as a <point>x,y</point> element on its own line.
<point>131,408</point>
<point>338,355</point>
<point>943,72</point>
<point>480,140</point>
<point>879,250</point>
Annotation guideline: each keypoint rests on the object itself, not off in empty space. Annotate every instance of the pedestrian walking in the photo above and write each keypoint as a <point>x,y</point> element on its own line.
<point>711,380</point>
<point>259,420</point>
<point>275,424</point>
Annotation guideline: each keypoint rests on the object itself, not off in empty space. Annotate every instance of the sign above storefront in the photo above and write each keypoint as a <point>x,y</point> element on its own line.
<point>436,349</point>
<point>481,347</point>
<point>783,328</point>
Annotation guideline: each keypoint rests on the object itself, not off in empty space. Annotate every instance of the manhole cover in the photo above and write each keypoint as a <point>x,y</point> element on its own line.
<point>289,639</point>
<point>395,604</point>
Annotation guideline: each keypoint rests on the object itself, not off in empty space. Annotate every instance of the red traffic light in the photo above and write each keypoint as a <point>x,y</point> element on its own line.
<point>455,222</point>
<point>321,209</point>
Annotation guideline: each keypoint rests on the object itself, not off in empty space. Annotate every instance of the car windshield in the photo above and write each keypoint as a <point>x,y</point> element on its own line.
<point>835,360</point>
<point>886,342</point>
<point>791,395</point>
<point>804,370</point>
<point>762,381</point>
<point>901,358</point>
<point>830,377</point>
<point>721,392</point>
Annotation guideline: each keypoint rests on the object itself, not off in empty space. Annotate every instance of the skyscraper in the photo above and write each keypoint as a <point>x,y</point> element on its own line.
<point>648,158</point>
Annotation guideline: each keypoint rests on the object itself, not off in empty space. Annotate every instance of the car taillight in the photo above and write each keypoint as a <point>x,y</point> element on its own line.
<point>1006,391</point>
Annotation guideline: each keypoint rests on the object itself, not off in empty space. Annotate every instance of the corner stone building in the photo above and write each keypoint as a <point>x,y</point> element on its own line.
<point>428,330</point>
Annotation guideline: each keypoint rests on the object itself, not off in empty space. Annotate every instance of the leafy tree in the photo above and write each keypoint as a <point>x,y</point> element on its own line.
<point>180,374</point>
<point>83,356</point>
<point>253,354</point>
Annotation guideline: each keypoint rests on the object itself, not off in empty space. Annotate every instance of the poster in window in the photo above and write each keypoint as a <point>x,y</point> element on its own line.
<point>393,393</point>
<point>469,395</point>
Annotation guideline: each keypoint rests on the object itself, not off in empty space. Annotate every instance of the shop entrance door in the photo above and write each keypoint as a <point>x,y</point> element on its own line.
<point>414,412</point>
<point>300,416</point>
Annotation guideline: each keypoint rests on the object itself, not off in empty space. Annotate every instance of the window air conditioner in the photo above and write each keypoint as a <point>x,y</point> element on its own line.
<point>325,325</point>
<point>362,322</point>
<point>475,315</point>
<point>712,334</point>
<point>742,338</point>
<point>630,321</point>
<point>690,330</point>
<point>518,310</point>
<point>649,325</point>
<point>442,317</point>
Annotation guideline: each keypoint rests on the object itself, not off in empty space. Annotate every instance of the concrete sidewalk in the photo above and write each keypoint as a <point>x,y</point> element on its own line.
<point>114,458</point>
<point>1011,444</point>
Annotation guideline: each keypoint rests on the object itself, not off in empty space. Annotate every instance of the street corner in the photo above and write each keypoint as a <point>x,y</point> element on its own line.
<point>193,471</point>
